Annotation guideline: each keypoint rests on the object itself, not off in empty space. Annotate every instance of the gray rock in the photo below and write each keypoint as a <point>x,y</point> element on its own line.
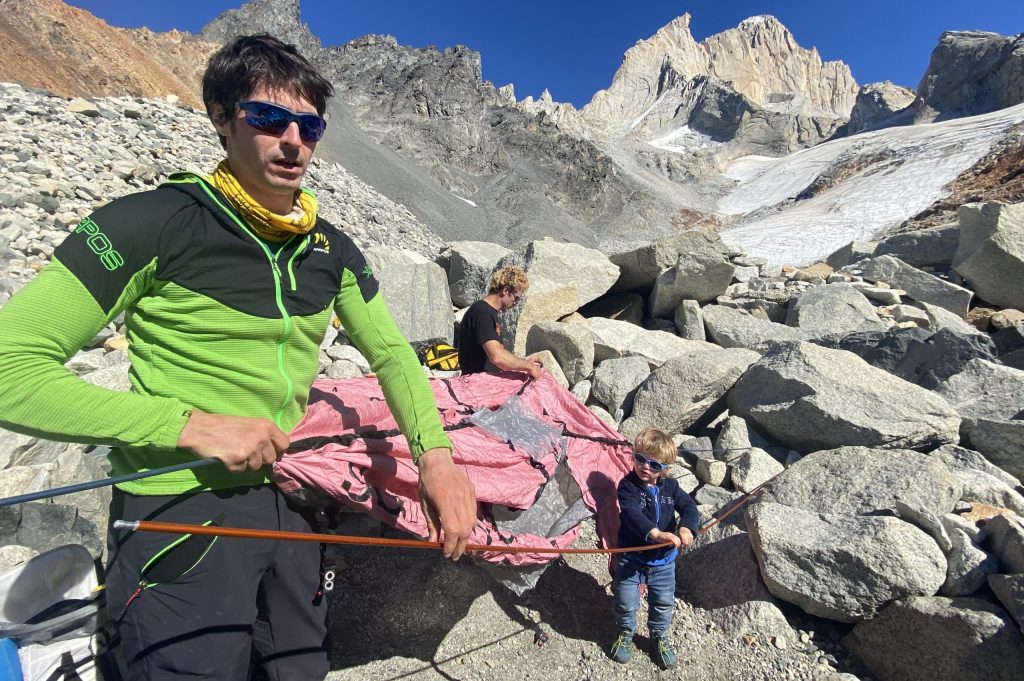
<point>582,390</point>
<point>943,354</point>
<point>865,481</point>
<point>689,320</point>
<point>616,380</point>
<point>615,339</point>
<point>416,292</point>
<point>919,516</point>
<point>808,398</point>
<point>720,574</point>
<point>982,481</point>
<point>990,256</point>
<point>968,567</point>
<point>1009,589</point>
<point>712,472</point>
<point>682,390</point>
<point>985,390</point>
<point>849,254</point>
<point>571,344</point>
<point>940,318</point>
<point>841,567</point>
<point>833,309</point>
<point>997,441</point>
<point>940,639</point>
<point>469,269</point>
<point>935,246</point>
<point>752,468</point>
<point>1004,537</point>
<point>702,272</point>
<point>733,328</point>
<point>882,349</point>
<point>716,497</point>
<point>639,268</point>
<point>919,285</point>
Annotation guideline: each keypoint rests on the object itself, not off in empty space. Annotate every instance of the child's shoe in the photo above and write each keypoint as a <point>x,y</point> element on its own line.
<point>664,654</point>
<point>622,649</point>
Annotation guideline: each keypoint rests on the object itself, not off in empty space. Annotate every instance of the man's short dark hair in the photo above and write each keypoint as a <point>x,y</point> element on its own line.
<point>250,61</point>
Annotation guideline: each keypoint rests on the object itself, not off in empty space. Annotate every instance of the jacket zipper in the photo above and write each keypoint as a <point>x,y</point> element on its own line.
<point>278,291</point>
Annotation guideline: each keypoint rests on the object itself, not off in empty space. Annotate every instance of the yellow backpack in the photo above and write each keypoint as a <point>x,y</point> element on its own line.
<point>441,356</point>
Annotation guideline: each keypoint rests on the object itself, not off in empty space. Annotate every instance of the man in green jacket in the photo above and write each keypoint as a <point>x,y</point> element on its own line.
<point>227,284</point>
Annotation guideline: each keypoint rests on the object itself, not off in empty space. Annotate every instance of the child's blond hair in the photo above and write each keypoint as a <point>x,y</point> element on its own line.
<point>655,444</point>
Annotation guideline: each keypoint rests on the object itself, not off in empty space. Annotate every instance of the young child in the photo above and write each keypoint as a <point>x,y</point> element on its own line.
<point>648,503</point>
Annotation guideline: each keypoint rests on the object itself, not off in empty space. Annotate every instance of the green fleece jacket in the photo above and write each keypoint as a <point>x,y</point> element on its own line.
<point>215,320</point>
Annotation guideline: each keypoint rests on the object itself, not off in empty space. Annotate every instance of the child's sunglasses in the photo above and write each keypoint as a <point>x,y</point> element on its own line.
<point>274,120</point>
<point>655,466</point>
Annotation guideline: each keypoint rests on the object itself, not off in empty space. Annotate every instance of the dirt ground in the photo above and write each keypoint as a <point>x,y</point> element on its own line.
<point>407,614</point>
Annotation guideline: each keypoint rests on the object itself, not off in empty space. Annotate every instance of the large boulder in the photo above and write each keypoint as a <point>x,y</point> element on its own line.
<point>939,639</point>
<point>919,285</point>
<point>841,567</point>
<point>809,397</point>
<point>865,481</point>
<point>720,574</point>
<point>985,390</point>
<point>923,248</point>
<point>982,481</point>
<point>684,389</point>
<point>616,380</point>
<point>702,272</point>
<point>990,256</point>
<point>998,441</point>
<point>416,292</point>
<point>1009,589</point>
<point>833,309</point>
<point>1004,537</point>
<point>639,268</point>
<point>571,344</point>
<point>469,269</point>
<point>732,328</point>
<point>614,339</point>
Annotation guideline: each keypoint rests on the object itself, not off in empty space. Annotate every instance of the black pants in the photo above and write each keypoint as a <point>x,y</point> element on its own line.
<point>244,598</point>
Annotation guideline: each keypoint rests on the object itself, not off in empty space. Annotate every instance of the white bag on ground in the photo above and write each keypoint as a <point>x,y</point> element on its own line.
<point>50,606</point>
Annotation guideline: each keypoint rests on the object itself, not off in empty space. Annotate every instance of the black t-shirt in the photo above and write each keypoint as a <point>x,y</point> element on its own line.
<point>479,325</point>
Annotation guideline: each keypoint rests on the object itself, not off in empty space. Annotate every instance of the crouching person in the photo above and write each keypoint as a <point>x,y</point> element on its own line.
<point>648,501</point>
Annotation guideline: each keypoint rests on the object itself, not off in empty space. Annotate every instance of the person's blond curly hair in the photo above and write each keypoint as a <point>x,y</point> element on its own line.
<point>655,444</point>
<point>513,277</point>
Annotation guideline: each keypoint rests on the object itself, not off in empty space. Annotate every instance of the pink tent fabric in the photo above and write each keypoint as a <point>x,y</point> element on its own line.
<point>344,453</point>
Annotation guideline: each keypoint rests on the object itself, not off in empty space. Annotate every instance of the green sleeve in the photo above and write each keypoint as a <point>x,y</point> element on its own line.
<point>373,331</point>
<point>41,327</point>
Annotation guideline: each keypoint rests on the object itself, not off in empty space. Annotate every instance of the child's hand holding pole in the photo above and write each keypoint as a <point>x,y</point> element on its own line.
<point>685,536</point>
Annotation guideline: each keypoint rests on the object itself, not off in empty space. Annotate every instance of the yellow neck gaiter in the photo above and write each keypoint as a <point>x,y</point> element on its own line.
<point>267,225</point>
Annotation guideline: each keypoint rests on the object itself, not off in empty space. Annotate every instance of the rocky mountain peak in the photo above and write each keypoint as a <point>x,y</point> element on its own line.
<point>759,59</point>
<point>280,18</point>
<point>970,73</point>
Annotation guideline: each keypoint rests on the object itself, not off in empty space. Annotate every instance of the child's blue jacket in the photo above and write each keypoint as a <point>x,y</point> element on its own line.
<point>642,509</point>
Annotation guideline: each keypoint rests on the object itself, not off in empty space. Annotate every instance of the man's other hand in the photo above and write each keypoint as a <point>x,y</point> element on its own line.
<point>448,501</point>
<point>241,443</point>
<point>535,368</point>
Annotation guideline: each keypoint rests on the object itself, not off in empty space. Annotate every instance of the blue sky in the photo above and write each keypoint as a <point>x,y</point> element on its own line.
<point>573,47</point>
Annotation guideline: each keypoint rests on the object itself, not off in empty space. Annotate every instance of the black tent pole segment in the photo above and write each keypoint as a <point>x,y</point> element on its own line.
<point>93,484</point>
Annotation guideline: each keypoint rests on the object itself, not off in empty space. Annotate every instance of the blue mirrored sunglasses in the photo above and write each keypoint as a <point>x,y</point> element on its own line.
<point>274,120</point>
<point>655,466</point>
